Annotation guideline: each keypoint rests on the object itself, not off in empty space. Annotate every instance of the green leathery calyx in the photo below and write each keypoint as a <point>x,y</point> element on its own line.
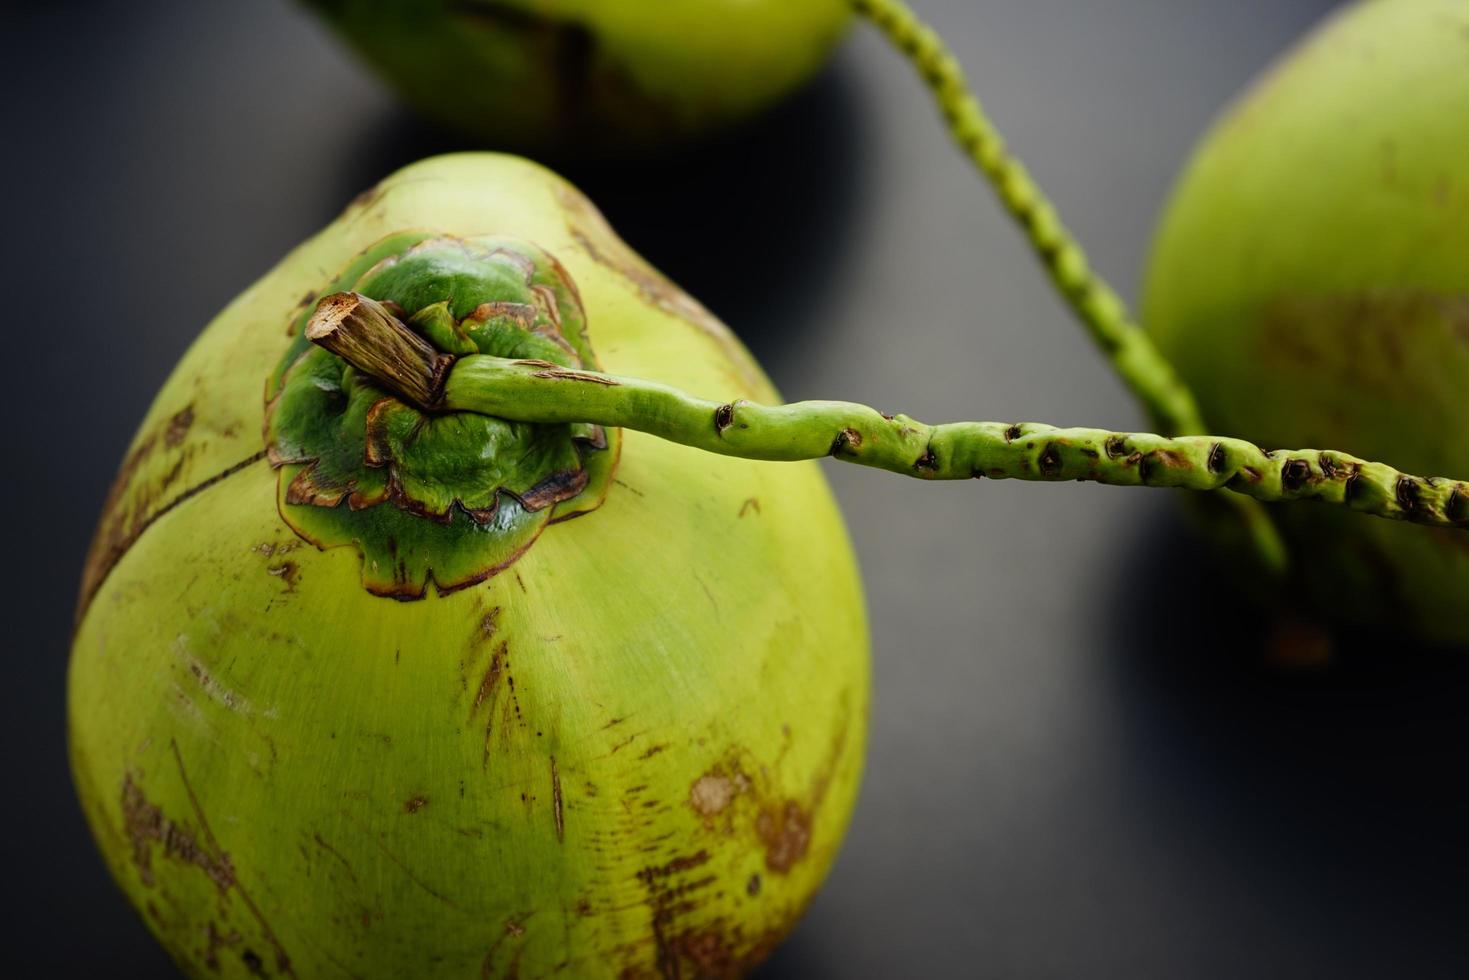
<point>589,77</point>
<point>630,747</point>
<point>1310,279</point>
<point>1145,371</point>
<point>489,486</point>
<point>546,393</point>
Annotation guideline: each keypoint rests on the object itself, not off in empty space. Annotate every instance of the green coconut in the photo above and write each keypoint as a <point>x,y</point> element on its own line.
<point>589,76</point>
<point>353,694</point>
<point>1310,281</point>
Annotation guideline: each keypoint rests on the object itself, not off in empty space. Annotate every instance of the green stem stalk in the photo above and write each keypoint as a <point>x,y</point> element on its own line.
<point>542,392</point>
<point>1136,360</point>
<point>537,391</point>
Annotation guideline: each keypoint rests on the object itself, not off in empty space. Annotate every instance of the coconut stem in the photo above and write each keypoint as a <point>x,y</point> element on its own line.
<point>542,392</point>
<point>535,391</point>
<point>1134,357</point>
<point>367,335</point>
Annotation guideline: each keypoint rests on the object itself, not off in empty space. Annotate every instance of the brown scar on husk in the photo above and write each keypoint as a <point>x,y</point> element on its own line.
<point>717,948</point>
<point>287,571</point>
<point>145,824</point>
<point>121,527</point>
<point>751,505</point>
<point>783,824</point>
<point>489,623</point>
<point>556,807</point>
<point>486,693</point>
<point>178,427</point>
<point>415,804</point>
<point>786,833</point>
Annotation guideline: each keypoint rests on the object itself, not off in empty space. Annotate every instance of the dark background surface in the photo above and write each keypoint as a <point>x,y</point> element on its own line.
<point>1078,766</point>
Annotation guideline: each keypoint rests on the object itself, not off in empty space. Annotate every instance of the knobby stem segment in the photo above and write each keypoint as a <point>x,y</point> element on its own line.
<point>1134,357</point>
<point>542,392</point>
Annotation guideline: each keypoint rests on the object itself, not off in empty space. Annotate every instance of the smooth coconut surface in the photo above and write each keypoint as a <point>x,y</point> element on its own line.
<point>1310,279</point>
<point>633,751</point>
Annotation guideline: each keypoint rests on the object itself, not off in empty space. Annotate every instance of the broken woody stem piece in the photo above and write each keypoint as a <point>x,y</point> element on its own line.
<point>1137,361</point>
<point>539,391</point>
<point>367,335</point>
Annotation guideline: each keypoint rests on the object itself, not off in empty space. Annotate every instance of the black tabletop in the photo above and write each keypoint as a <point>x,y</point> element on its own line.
<point>1078,765</point>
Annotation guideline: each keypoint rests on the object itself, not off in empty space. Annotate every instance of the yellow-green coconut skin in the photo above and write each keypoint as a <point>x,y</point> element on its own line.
<point>1310,279</point>
<point>631,753</point>
<point>590,77</point>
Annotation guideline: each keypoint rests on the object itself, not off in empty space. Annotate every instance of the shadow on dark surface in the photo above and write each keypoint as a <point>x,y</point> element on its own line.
<point>754,223</point>
<point>1327,796</point>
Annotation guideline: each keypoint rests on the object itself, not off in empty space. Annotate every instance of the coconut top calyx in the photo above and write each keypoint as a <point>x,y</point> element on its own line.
<point>425,494</point>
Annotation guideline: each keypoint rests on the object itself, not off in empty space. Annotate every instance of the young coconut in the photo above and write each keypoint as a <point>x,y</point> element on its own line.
<point>1310,280</point>
<point>351,691</point>
<point>589,77</point>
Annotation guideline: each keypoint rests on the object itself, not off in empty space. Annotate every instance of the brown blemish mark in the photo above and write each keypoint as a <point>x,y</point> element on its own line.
<point>1457,507</point>
<point>556,801</point>
<point>1050,460</point>
<point>927,463</point>
<point>752,887</point>
<point>415,804</point>
<point>146,824</point>
<point>848,438</point>
<point>723,417</point>
<point>178,427</point>
<point>653,751</point>
<point>666,900</point>
<point>488,624</point>
<point>1328,466</point>
<point>1013,432</point>
<point>367,198</point>
<point>287,571</point>
<point>491,676</point>
<point>1407,492</point>
<point>567,375</point>
<point>1115,447</point>
<point>559,486</point>
<point>1218,459</point>
<point>675,866</point>
<point>253,963</point>
<point>217,941</point>
<point>751,504</point>
<point>786,833</point>
<point>1246,474</point>
<point>711,793</point>
<point>216,690</point>
<point>1170,460</point>
<point>1294,474</point>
